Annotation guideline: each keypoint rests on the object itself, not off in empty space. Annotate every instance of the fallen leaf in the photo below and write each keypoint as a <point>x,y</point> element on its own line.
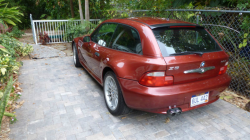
<point>18,106</point>
<point>167,120</point>
<point>46,63</point>
<point>21,103</point>
<point>79,74</point>
<point>124,117</point>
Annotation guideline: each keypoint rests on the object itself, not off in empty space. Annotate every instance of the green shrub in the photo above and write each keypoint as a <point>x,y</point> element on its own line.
<point>239,70</point>
<point>75,31</point>
<point>9,15</point>
<point>5,97</point>
<point>15,33</point>
<point>11,48</point>
<point>14,47</point>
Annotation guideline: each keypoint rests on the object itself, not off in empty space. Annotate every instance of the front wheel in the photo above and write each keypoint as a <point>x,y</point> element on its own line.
<point>113,95</point>
<point>75,57</point>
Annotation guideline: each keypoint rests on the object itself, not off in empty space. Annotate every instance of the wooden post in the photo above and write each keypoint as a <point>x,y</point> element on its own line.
<point>87,10</point>
<point>80,10</point>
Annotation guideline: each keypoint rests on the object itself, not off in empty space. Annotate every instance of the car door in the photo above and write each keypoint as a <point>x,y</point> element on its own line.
<point>100,41</point>
<point>83,46</point>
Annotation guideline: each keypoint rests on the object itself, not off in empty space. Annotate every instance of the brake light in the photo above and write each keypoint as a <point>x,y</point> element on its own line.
<point>156,79</point>
<point>223,69</point>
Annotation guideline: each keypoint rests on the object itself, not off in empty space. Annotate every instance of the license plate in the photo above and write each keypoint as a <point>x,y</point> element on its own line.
<point>199,99</point>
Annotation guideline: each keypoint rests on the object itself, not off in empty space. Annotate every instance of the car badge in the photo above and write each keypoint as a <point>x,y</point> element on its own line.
<point>202,64</point>
<point>202,70</point>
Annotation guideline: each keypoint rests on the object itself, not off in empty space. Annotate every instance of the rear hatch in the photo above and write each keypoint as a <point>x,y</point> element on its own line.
<point>190,52</point>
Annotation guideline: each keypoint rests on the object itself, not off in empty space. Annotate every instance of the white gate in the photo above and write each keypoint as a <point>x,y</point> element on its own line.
<point>54,28</point>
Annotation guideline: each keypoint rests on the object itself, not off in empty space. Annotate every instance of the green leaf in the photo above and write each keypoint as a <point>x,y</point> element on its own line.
<point>5,50</point>
<point>245,35</point>
<point>240,45</point>
<point>3,70</point>
<point>244,44</point>
<point>9,114</point>
<point>4,100</point>
<point>10,22</point>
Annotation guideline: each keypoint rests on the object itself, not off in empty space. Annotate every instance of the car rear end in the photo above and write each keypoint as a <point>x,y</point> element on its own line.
<point>195,72</point>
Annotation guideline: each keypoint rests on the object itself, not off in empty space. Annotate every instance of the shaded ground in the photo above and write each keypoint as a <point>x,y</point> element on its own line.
<point>236,100</point>
<point>64,102</point>
<point>5,128</point>
<point>46,51</point>
<point>42,51</point>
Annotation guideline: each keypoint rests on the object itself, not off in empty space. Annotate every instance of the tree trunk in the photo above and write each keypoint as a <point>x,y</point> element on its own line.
<point>72,9</point>
<point>87,10</point>
<point>80,10</point>
<point>102,4</point>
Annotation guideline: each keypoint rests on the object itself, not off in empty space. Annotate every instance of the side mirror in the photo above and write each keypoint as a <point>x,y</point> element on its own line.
<point>86,39</point>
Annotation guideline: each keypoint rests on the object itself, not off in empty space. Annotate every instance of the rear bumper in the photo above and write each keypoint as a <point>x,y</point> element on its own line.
<point>159,99</point>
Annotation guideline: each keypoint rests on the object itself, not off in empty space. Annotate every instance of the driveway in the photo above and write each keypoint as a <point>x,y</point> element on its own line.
<point>64,102</point>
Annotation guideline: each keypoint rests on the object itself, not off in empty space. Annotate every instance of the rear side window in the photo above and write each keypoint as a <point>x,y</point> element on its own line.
<point>104,34</point>
<point>181,40</point>
<point>127,39</point>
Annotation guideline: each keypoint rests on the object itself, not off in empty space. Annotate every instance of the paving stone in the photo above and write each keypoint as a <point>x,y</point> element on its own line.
<point>61,104</point>
<point>162,133</point>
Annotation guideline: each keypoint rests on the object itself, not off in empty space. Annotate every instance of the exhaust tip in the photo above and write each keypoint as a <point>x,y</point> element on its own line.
<point>174,111</point>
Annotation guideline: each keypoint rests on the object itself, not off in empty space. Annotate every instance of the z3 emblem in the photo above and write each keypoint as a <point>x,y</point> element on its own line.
<point>174,68</point>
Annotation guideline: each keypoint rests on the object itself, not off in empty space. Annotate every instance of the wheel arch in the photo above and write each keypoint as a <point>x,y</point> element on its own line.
<point>105,70</point>
<point>73,42</point>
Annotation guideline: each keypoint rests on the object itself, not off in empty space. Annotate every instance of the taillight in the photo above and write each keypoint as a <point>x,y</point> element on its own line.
<point>223,69</point>
<point>156,79</point>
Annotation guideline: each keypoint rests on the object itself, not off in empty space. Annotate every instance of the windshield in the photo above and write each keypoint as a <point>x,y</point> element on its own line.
<point>179,40</point>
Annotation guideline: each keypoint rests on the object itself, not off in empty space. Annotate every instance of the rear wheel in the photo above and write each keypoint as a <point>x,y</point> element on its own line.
<point>113,95</point>
<point>75,57</point>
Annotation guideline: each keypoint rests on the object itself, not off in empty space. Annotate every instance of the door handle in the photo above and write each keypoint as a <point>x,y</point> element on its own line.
<point>200,70</point>
<point>97,54</point>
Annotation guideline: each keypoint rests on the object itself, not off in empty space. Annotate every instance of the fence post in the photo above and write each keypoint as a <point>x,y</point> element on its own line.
<point>33,28</point>
<point>197,18</point>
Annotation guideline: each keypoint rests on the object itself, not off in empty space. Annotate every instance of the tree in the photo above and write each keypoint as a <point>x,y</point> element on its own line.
<point>80,10</point>
<point>87,10</point>
<point>72,9</point>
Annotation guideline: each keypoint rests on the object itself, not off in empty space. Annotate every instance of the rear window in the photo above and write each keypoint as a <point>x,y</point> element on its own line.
<point>181,40</point>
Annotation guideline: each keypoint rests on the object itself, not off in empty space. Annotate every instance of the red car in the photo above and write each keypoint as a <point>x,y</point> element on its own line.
<point>153,64</point>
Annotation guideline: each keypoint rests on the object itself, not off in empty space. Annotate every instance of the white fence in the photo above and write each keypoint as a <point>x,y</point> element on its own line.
<point>54,28</point>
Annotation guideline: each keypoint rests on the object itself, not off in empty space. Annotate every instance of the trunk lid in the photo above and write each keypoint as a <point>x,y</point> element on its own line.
<point>188,68</point>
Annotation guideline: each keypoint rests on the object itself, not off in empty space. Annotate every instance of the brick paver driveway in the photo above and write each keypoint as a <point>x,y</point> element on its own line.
<point>64,102</point>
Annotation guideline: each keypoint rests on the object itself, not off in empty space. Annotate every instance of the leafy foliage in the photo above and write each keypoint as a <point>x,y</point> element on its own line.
<point>4,99</point>
<point>9,15</point>
<point>15,33</point>
<point>44,38</point>
<point>79,30</point>
<point>27,7</point>
<point>10,49</point>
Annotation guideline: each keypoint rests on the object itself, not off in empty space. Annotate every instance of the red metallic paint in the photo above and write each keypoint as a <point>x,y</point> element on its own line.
<point>129,68</point>
<point>158,99</point>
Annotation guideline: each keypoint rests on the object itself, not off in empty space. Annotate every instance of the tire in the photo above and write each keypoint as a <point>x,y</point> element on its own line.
<point>113,95</point>
<point>75,57</point>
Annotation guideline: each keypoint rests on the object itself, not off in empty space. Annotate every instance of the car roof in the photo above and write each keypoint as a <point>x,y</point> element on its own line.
<point>155,22</point>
